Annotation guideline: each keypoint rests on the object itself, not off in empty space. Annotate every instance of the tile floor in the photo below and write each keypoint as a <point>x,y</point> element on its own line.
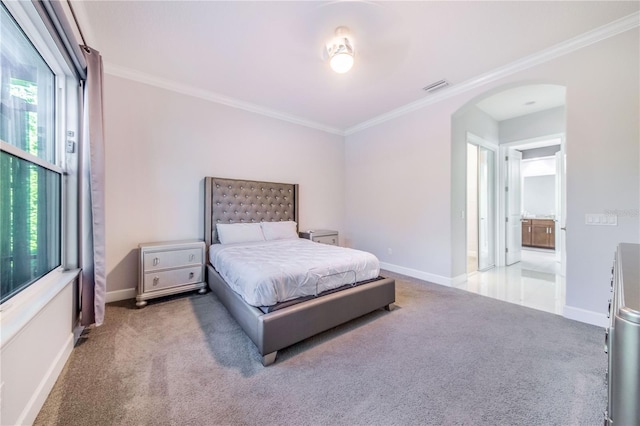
<point>535,282</point>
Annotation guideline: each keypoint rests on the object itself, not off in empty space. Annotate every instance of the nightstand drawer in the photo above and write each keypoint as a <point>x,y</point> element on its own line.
<point>172,259</point>
<point>154,281</point>
<point>170,267</point>
<point>323,236</point>
<point>329,239</point>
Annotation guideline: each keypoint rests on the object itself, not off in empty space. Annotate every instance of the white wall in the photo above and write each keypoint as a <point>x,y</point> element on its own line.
<point>34,353</point>
<point>398,193</point>
<point>538,167</point>
<point>539,195</point>
<point>159,147</point>
<point>543,123</point>
<point>403,189</point>
<point>603,158</point>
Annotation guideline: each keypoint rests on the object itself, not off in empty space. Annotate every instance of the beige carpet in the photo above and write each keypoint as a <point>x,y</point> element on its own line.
<point>442,356</point>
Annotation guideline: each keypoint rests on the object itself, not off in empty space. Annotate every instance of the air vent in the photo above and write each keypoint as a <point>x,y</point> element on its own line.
<point>436,86</point>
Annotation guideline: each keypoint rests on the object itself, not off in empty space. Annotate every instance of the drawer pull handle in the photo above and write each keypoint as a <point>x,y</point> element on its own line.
<point>609,310</point>
<point>156,261</point>
<point>191,274</point>
<point>191,257</point>
<point>606,341</point>
<point>156,280</point>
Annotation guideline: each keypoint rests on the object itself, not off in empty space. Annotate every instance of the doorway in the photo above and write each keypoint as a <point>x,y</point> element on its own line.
<point>481,204</point>
<point>510,117</point>
<point>535,276</point>
<point>535,202</point>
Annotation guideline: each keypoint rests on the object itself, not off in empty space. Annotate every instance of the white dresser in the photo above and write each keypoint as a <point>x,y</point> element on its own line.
<point>622,339</point>
<point>169,268</point>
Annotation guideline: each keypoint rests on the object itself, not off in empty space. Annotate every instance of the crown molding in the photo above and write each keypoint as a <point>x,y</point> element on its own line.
<point>188,90</point>
<point>586,39</point>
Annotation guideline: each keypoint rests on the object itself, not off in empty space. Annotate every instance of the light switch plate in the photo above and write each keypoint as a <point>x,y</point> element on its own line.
<point>595,219</point>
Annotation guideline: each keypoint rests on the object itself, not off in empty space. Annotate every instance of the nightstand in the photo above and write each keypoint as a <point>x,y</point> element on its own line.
<point>323,236</point>
<point>169,268</point>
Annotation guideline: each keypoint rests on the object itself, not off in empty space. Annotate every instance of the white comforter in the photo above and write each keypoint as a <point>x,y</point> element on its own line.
<point>265,273</point>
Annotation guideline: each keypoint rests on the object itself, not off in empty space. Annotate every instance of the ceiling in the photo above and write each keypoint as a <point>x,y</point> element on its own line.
<point>523,100</point>
<point>269,55</point>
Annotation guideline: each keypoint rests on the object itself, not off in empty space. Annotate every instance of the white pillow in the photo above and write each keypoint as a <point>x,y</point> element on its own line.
<point>279,230</point>
<point>229,233</point>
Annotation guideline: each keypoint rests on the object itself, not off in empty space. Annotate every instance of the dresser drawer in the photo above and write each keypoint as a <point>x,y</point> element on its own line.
<point>328,239</point>
<point>172,259</point>
<point>154,281</point>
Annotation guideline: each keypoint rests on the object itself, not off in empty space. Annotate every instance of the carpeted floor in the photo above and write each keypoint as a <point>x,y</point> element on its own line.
<point>442,356</point>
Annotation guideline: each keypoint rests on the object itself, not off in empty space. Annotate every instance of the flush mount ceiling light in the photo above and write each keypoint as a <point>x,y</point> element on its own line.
<point>340,51</point>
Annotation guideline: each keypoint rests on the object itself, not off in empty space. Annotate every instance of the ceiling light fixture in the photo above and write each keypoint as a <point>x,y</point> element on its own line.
<point>340,51</point>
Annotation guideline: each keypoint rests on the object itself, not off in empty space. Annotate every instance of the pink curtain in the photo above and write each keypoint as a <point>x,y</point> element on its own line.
<point>92,196</point>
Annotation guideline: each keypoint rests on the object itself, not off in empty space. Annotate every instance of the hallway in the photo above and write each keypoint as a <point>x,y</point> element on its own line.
<point>534,282</point>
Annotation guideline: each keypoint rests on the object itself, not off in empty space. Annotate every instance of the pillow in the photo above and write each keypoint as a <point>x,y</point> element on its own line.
<point>229,233</point>
<point>279,230</point>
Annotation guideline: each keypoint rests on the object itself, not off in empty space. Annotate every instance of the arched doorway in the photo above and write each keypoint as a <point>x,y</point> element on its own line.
<point>524,126</point>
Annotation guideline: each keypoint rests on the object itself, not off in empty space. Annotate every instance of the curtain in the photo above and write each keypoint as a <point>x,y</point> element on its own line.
<point>92,197</point>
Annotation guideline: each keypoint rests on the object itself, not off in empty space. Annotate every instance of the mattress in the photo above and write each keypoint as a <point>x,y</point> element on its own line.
<point>269,272</point>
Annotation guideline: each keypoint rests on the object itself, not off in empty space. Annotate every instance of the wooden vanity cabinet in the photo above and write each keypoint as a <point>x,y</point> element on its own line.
<point>526,232</point>
<point>539,233</point>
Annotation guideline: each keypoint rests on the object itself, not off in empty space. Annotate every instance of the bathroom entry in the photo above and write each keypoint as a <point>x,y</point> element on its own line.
<point>543,201</point>
<point>540,200</point>
<point>481,208</point>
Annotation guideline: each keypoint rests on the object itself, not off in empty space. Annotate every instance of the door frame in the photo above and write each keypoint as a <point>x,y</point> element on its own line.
<point>492,146</point>
<point>537,142</point>
<point>513,246</point>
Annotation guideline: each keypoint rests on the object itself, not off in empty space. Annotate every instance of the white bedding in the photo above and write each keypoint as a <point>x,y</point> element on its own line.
<point>265,273</point>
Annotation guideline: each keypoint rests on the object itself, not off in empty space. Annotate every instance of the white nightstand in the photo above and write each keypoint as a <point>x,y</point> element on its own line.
<point>324,236</point>
<point>169,268</point>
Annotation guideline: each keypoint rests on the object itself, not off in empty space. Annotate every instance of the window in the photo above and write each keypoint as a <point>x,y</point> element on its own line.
<point>30,172</point>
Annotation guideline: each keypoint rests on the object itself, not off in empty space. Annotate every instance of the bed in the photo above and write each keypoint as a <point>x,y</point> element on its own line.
<point>271,328</point>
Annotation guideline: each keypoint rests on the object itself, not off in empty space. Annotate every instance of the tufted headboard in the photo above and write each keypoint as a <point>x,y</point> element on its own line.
<point>238,201</point>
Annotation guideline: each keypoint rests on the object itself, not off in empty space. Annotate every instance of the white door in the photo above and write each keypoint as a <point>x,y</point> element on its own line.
<point>514,207</point>
<point>486,210</point>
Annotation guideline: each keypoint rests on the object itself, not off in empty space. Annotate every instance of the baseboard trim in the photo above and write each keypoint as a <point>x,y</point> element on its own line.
<point>421,275</point>
<point>582,315</point>
<point>458,280</point>
<point>117,295</point>
<point>40,395</point>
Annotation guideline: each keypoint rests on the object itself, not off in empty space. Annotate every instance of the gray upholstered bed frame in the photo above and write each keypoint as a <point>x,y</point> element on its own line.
<point>237,201</point>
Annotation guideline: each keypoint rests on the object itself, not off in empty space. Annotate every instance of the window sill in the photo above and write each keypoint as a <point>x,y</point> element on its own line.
<point>18,311</point>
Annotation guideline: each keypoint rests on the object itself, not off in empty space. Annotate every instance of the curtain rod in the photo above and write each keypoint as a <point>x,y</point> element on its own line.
<point>75,19</point>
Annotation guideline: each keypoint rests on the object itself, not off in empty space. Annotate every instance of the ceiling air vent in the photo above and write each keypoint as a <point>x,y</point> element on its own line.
<point>436,86</point>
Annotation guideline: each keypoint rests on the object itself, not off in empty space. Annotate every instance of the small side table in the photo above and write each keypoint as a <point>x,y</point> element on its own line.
<point>169,268</point>
<point>324,236</point>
